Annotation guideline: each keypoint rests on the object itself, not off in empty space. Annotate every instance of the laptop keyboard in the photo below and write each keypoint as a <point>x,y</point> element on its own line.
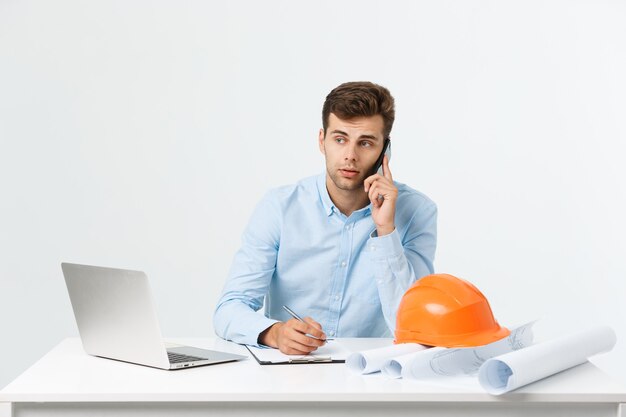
<point>178,358</point>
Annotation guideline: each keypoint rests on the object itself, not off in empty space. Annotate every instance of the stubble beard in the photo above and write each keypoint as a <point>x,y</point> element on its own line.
<point>343,183</point>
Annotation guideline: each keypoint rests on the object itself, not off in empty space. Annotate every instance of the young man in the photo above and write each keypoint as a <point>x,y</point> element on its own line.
<point>341,247</point>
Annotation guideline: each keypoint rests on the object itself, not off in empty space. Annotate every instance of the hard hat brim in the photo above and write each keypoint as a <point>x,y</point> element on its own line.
<point>463,340</point>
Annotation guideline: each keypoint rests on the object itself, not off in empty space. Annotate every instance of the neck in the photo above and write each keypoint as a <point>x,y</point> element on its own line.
<point>347,201</point>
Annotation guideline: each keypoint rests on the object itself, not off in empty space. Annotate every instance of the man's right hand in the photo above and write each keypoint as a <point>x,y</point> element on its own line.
<point>291,337</point>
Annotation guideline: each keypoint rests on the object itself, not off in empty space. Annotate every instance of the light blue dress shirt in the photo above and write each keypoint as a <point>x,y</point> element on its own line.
<point>299,250</point>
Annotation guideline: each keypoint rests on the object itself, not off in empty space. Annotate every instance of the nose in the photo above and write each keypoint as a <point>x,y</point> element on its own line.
<point>350,152</point>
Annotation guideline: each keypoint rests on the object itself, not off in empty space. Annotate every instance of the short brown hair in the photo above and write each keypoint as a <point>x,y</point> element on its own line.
<point>360,98</point>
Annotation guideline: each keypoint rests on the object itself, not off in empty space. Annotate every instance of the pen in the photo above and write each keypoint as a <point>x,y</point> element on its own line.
<point>297,317</point>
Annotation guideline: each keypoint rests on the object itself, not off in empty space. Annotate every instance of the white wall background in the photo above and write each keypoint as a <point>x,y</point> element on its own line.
<point>140,134</point>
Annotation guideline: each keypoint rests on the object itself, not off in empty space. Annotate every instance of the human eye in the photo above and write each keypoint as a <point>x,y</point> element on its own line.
<point>366,144</point>
<point>340,139</point>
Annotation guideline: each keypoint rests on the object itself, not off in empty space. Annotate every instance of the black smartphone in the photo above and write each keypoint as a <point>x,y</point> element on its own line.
<point>379,162</point>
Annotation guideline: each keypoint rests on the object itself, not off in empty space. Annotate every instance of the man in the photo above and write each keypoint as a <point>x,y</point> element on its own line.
<point>341,247</point>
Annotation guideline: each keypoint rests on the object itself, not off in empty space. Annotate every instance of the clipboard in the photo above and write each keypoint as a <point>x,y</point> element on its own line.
<point>332,352</point>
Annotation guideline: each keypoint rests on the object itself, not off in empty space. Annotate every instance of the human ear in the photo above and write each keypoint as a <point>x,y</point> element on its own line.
<point>321,142</point>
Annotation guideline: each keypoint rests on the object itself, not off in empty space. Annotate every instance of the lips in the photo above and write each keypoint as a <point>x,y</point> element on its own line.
<point>348,173</point>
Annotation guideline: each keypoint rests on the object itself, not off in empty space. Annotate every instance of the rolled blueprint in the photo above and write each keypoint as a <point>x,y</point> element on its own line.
<point>402,366</point>
<point>515,369</point>
<point>467,361</point>
<point>372,360</point>
<point>457,361</point>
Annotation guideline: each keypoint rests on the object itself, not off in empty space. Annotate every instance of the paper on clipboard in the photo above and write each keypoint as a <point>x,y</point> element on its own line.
<point>331,352</point>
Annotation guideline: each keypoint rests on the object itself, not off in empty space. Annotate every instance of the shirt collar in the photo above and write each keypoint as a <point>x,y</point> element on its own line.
<point>329,206</point>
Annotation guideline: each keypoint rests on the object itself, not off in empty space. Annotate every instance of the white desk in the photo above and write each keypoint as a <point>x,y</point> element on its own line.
<point>68,382</point>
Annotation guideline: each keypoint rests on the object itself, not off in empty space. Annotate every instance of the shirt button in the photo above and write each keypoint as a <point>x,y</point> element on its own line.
<point>348,227</point>
<point>336,297</point>
<point>372,248</point>
<point>332,333</point>
<point>343,263</point>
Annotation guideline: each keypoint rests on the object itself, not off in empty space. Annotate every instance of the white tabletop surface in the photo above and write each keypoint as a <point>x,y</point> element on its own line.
<point>68,374</point>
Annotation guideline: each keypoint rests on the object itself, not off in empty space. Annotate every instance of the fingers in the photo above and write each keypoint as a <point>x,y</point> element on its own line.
<point>291,347</point>
<point>310,327</point>
<point>367,183</point>
<point>313,323</point>
<point>381,187</point>
<point>294,339</point>
<point>371,180</point>
<point>307,342</point>
<point>386,174</point>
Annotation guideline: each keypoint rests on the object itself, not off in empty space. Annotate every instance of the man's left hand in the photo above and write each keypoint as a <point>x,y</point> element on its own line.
<point>383,195</point>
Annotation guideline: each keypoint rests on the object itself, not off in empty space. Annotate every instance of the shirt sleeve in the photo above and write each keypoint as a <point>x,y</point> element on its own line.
<point>402,257</point>
<point>236,315</point>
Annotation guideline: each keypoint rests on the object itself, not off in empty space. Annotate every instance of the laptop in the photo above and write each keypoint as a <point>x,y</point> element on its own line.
<point>116,319</point>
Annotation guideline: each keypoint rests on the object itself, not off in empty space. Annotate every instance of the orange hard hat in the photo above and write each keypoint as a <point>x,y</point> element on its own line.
<point>443,310</point>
